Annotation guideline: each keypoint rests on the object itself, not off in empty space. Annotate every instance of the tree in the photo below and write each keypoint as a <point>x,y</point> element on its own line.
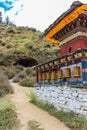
<point>7,20</point>
<point>0,17</point>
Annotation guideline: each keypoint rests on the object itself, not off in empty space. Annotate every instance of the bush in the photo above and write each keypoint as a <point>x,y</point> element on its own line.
<point>9,46</point>
<point>19,69</point>
<point>5,88</point>
<point>8,117</point>
<point>30,72</point>
<point>22,76</point>
<point>16,80</point>
<point>10,74</point>
<point>27,82</point>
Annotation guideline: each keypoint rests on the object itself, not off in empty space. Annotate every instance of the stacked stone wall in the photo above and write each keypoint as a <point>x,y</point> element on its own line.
<point>66,98</point>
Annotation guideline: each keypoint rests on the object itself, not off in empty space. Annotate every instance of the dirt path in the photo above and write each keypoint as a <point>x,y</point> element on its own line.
<point>27,111</point>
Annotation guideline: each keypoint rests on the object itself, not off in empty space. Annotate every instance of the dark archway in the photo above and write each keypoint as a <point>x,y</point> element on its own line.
<point>27,62</point>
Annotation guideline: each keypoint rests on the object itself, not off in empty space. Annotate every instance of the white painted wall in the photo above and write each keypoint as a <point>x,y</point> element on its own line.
<point>66,98</point>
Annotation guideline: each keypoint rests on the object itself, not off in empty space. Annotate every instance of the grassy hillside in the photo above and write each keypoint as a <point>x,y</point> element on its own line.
<point>18,43</point>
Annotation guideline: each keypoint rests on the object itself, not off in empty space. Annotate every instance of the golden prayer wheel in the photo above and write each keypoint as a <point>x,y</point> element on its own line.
<point>48,75</point>
<point>53,76</point>
<point>67,73</point>
<point>77,71</point>
<point>40,76</point>
<point>60,74</point>
<point>43,76</point>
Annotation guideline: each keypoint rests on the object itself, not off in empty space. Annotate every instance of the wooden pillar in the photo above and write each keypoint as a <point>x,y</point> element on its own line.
<point>37,79</point>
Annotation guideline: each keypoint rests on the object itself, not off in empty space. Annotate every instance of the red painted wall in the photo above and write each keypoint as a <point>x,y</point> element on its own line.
<point>76,44</point>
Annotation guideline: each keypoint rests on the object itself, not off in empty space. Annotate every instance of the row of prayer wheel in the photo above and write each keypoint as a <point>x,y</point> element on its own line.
<point>54,75</point>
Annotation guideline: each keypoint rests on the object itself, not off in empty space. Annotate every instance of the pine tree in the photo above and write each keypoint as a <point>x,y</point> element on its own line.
<point>0,17</point>
<point>7,20</point>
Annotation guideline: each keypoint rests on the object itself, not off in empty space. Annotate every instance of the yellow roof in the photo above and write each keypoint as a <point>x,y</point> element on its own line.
<point>66,20</point>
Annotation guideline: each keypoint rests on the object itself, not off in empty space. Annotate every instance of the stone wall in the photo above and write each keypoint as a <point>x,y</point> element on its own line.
<point>66,98</point>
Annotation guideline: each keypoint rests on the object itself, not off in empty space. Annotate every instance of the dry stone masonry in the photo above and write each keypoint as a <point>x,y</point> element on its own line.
<point>66,98</point>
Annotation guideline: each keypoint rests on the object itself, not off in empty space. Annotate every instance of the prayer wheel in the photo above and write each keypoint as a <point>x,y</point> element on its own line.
<point>77,71</point>
<point>43,76</point>
<point>60,74</point>
<point>53,76</point>
<point>40,76</point>
<point>67,73</point>
<point>48,75</point>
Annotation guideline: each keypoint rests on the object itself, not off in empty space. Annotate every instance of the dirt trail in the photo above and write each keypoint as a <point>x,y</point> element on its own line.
<point>27,111</point>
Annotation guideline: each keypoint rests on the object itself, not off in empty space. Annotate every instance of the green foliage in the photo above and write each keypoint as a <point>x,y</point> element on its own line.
<point>27,82</point>
<point>8,117</point>
<point>9,46</point>
<point>74,121</point>
<point>47,45</point>
<point>16,80</point>
<point>5,88</point>
<point>22,76</point>
<point>30,72</point>
<point>2,63</point>
<point>10,74</point>
<point>29,45</point>
<point>19,69</point>
<point>34,125</point>
<point>2,42</point>
<point>25,42</point>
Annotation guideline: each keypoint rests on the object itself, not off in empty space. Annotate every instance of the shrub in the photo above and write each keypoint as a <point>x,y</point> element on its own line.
<point>9,46</point>
<point>8,117</point>
<point>10,74</point>
<point>27,82</point>
<point>19,69</point>
<point>22,76</point>
<point>16,80</point>
<point>47,45</point>
<point>30,72</point>
<point>5,88</point>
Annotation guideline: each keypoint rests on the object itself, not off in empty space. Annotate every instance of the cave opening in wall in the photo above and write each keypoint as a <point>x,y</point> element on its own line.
<point>27,62</point>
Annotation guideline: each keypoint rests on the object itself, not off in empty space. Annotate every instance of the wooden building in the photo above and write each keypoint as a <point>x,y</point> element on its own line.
<point>69,31</point>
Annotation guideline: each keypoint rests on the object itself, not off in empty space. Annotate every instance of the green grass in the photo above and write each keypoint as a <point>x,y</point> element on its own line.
<point>8,117</point>
<point>34,125</point>
<point>71,119</point>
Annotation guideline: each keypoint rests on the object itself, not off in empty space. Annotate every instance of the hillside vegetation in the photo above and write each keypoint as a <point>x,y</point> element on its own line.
<point>18,43</point>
